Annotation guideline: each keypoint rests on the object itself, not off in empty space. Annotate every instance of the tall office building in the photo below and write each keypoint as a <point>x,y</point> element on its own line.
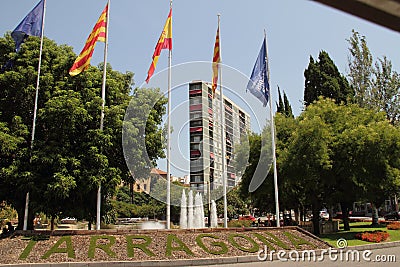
<point>206,139</point>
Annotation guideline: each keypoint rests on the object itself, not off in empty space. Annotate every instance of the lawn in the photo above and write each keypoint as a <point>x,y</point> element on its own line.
<point>358,227</point>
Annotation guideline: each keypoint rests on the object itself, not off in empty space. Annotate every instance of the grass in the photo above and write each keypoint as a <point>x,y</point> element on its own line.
<point>358,227</point>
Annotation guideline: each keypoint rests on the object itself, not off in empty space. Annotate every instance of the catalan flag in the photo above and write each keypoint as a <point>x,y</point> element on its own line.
<point>164,42</point>
<point>216,61</point>
<point>98,33</point>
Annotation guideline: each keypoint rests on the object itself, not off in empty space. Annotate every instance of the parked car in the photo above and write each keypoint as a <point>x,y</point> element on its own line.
<point>68,220</point>
<point>247,218</point>
<point>394,215</point>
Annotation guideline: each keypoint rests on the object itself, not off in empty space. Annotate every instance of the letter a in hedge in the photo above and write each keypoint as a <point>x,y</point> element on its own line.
<point>181,246</point>
<point>69,249</point>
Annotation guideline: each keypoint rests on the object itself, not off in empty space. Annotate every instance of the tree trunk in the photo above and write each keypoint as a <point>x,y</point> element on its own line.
<point>374,215</point>
<point>297,215</point>
<point>315,221</point>
<point>330,211</point>
<point>52,223</point>
<point>89,225</point>
<point>345,215</point>
<point>131,191</point>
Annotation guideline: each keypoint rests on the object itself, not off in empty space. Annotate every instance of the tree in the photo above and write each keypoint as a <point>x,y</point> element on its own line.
<point>307,159</point>
<point>360,68</point>
<point>280,108</point>
<point>385,93</point>
<point>70,157</point>
<point>143,138</point>
<point>340,153</point>
<point>288,107</point>
<point>322,78</point>
<point>376,86</point>
<point>236,205</point>
<point>284,106</point>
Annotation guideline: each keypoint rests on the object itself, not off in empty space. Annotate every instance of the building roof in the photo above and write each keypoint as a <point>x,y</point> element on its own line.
<point>158,171</point>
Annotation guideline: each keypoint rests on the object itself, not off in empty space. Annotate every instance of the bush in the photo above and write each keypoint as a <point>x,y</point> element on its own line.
<point>237,223</point>
<point>393,226</point>
<point>7,213</point>
<point>373,236</point>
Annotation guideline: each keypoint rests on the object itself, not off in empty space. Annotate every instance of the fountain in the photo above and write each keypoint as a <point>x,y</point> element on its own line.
<point>201,208</point>
<point>213,214</point>
<point>183,221</point>
<point>190,218</point>
<point>198,212</point>
<point>192,213</point>
<point>152,225</point>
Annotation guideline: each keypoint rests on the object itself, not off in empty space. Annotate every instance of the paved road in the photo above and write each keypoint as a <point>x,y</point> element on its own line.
<point>378,257</point>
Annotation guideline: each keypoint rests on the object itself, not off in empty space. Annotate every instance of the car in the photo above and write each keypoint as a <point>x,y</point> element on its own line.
<point>68,220</point>
<point>247,218</point>
<point>394,215</point>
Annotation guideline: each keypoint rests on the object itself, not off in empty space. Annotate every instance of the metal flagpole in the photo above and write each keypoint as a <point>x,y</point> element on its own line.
<point>272,138</point>
<point>25,226</point>
<point>103,98</point>
<point>222,109</point>
<point>169,137</point>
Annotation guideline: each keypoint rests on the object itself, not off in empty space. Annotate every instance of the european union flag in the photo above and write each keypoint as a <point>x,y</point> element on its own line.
<point>259,82</point>
<point>30,25</point>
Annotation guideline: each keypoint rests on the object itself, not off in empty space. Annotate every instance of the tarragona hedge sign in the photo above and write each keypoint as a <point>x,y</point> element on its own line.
<point>210,243</point>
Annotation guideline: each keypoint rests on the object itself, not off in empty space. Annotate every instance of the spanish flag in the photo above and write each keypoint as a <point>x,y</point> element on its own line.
<point>216,61</point>
<point>164,42</point>
<point>98,33</point>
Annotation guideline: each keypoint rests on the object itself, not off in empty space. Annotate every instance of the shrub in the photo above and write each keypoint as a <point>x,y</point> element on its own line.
<point>237,223</point>
<point>373,236</point>
<point>393,226</point>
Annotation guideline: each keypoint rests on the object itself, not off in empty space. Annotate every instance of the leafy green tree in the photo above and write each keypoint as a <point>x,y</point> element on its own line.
<point>322,78</point>
<point>307,160</point>
<point>360,68</point>
<point>236,204</point>
<point>374,151</point>
<point>340,154</point>
<point>70,157</point>
<point>386,90</point>
<point>16,105</point>
<point>376,86</point>
<point>143,138</point>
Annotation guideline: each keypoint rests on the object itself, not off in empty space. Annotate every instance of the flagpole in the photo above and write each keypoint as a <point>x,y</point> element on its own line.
<point>25,226</point>
<point>169,137</point>
<point>272,138</point>
<point>223,153</point>
<point>103,98</point>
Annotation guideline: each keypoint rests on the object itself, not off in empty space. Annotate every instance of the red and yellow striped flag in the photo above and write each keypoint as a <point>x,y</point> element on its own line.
<point>164,42</point>
<point>98,33</point>
<point>216,61</point>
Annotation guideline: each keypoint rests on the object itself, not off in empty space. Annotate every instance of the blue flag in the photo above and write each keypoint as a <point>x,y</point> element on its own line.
<point>259,82</point>
<point>30,25</point>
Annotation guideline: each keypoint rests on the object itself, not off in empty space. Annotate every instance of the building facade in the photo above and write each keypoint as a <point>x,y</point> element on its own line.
<point>206,140</point>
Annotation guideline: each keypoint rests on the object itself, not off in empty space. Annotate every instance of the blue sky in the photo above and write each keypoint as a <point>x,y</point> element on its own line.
<point>295,30</point>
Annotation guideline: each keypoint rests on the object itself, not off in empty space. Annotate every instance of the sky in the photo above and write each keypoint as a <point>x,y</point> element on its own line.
<point>295,30</point>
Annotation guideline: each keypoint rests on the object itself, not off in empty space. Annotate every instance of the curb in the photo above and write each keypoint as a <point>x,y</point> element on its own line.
<point>376,246</point>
